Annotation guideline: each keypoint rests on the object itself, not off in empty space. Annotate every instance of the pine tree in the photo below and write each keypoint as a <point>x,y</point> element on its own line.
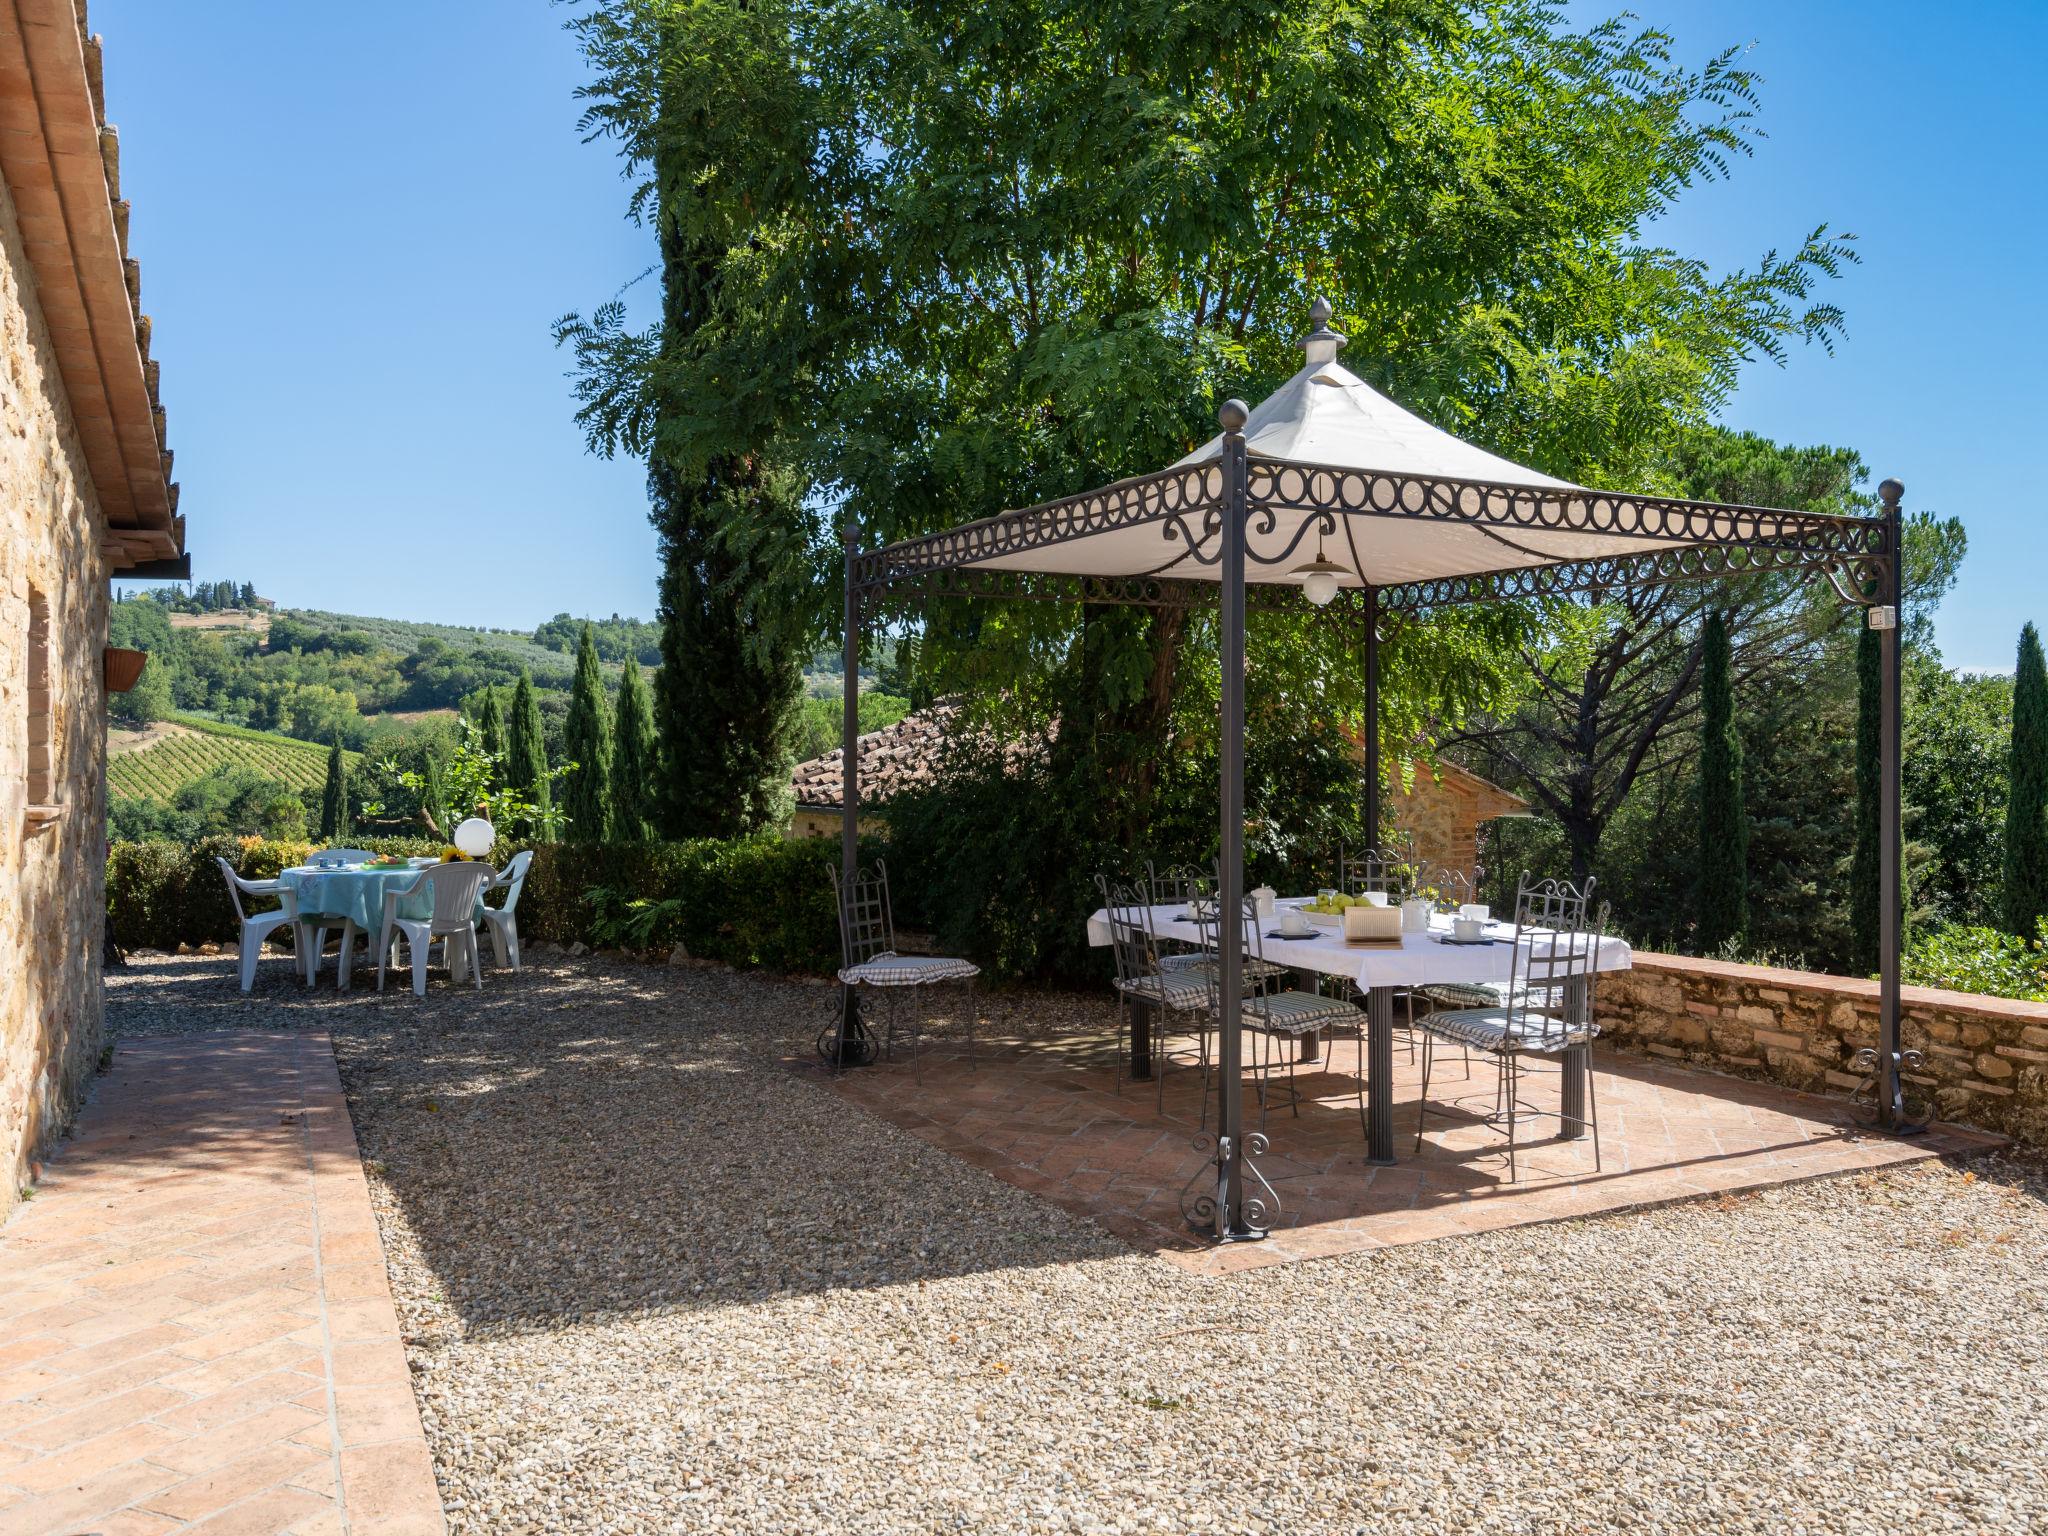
<point>1724,824</point>
<point>526,766</point>
<point>1863,871</point>
<point>633,759</point>
<point>587,743</point>
<point>490,724</point>
<point>2026,804</point>
<point>334,818</point>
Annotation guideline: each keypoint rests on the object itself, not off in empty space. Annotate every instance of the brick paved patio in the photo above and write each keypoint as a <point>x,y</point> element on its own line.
<point>1046,1117</point>
<point>196,1330</point>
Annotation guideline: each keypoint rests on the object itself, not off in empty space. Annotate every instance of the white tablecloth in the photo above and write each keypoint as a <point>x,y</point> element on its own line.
<point>1422,960</point>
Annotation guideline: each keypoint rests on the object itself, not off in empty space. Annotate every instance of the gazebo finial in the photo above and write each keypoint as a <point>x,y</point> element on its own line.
<point>1321,344</point>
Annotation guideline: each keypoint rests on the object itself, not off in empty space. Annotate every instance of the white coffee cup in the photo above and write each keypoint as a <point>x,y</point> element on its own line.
<point>1294,922</point>
<point>1374,898</point>
<point>1478,911</point>
<point>1468,928</point>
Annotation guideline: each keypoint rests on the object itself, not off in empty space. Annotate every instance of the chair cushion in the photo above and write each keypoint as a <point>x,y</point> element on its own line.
<point>1296,1013</point>
<point>1494,1029</point>
<point>1169,989</point>
<point>893,970</point>
<point>1466,994</point>
<point>1264,969</point>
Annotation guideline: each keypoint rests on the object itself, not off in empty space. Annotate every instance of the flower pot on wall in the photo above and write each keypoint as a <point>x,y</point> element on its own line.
<point>123,668</point>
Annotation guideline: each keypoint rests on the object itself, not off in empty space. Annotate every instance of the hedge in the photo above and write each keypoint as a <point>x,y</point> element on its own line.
<point>759,902</point>
<point>163,894</point>
<point>754,902</point>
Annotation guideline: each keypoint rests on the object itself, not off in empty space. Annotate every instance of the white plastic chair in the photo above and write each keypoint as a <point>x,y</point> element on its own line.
<point>317,945</point>
<point>258,928</point>
<point>503,920</point>
<point>454,889</point>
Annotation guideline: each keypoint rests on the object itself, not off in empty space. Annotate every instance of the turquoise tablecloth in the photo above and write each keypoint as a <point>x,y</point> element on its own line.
<point>357,894</point>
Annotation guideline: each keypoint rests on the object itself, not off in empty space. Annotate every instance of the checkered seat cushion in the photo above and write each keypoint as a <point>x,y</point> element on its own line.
<point>890,969</point>
<point>1465,994</point>
<point>1487,994</point>
<point>1265,970</point>
<point>1494,1029</point>
<point>1296,1013</point>
<point>1169,989</point>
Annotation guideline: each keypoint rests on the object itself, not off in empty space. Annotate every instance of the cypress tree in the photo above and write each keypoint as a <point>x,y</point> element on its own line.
<point>490,724</point>
<point>633,759</point>
<point>1863,904</point>
<point>732,638</point>
<point>587,743</point>
<point>1724,824</point>
<point>2026,803</point>
<point>334,820</point>
<point>526,767</point>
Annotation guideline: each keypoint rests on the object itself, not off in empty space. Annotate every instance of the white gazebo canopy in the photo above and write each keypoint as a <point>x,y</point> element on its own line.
<point>1340,473</point>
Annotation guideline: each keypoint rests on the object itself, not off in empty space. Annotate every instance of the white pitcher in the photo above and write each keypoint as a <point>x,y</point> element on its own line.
<point>1415,915</point>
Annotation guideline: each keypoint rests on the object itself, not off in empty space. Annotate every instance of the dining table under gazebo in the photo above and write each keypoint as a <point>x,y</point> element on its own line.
<point>1329,493</point>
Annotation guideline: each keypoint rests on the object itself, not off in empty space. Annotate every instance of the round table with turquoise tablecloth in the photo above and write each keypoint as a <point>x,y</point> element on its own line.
<point>352,898</point>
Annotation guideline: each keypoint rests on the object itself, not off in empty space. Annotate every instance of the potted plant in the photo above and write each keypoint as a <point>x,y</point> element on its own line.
<point>123,667</point>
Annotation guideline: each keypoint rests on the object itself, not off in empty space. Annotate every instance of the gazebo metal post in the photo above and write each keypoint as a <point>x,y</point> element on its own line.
<point>1887,618</point>
<point>849,1046</point>
<point>1373,783</point>
<point>1230,1142</point>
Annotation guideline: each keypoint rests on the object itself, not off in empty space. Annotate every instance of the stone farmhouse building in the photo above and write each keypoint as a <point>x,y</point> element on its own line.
<point>1439,809</point>
<point>85,495</point>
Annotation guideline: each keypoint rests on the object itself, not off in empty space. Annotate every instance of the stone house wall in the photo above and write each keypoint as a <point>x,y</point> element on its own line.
<point>1440,810</point>
<point>52,742</point>
<point>1986,1057</point>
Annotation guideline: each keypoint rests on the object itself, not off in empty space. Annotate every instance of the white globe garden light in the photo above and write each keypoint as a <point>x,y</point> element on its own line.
<point>1319,587</point>
<point>1320,578</point>
<point>476,837</point>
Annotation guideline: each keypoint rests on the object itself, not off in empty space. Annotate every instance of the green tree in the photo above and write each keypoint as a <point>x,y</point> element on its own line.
<point>587,744</point>
<point>969,258</point>
<point>334,816</point>
<point>490,724</point>
<point>1864,903</point>
<point>1724,824</point>
<point>2026,806</point>
<point>633,758</point>
<point>526,765</point>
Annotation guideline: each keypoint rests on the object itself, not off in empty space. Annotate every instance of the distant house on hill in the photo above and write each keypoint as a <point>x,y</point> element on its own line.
<point>1440,812</point>
<point>85,496</point>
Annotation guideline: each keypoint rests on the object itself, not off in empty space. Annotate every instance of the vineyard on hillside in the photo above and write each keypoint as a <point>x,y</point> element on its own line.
<point>158,772</point>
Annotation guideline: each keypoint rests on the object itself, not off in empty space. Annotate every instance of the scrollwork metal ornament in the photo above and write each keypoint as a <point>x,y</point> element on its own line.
<point>1909,1113</point>
<point>1205,1199</point>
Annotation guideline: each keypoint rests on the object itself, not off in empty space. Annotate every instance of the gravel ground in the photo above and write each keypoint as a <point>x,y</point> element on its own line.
<point>653,1282</point>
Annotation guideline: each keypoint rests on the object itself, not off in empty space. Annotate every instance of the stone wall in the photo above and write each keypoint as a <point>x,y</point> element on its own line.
<point>1986,1057</point>
<point>52,861</point>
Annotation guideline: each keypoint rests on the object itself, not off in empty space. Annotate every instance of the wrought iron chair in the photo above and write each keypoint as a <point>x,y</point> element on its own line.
<point>1184,888</point>
<point>867,946</point>
<point>1143,982</point>
<point>1547,1009</point>
<point>1273,1017</point>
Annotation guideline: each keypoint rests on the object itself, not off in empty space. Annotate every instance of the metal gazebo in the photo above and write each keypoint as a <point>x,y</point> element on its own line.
<point>1404,518</point>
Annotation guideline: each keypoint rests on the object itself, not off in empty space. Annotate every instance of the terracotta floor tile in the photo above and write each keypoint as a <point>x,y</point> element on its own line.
<point>196,1313</point>
<point>1048,1118</point>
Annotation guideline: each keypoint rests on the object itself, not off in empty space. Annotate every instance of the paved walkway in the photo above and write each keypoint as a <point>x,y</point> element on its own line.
<point>196,1331</point>
<point>1047,1116</point>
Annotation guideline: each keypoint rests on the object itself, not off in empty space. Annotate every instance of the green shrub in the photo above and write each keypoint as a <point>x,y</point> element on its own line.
<point>1984,960</point>
<point>753,902</point>
<point>163,894</point>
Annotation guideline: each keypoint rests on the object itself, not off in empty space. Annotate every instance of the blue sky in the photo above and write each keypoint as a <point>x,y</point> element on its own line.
<point>357,224</point>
